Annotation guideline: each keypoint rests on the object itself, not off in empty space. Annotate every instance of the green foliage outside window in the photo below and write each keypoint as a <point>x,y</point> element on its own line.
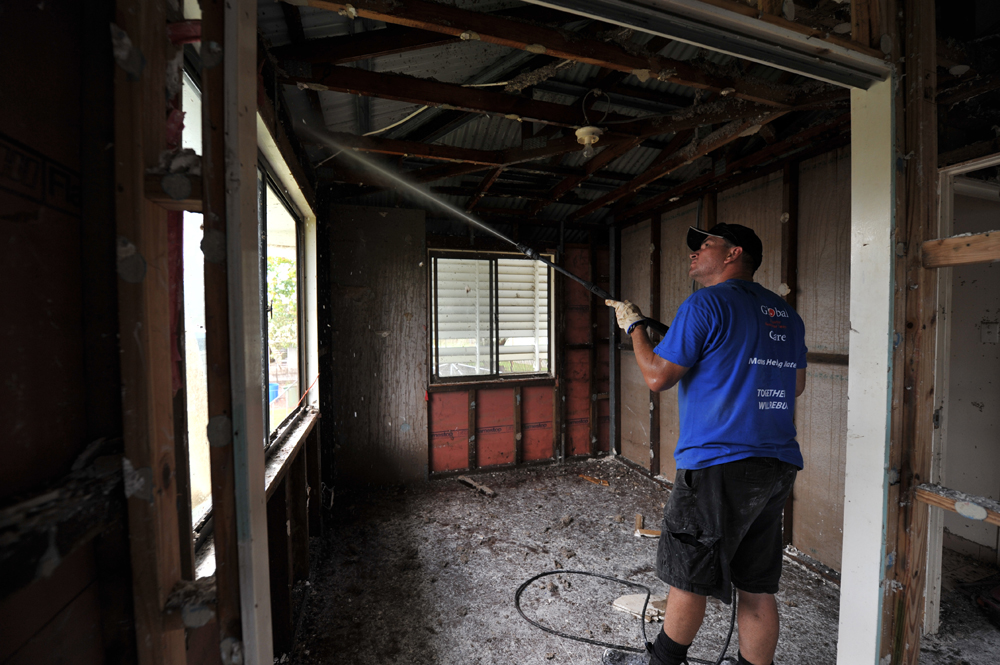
<point>283,323</point>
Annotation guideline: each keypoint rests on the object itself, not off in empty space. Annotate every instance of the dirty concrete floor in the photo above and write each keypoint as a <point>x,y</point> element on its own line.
<point>428,575</point>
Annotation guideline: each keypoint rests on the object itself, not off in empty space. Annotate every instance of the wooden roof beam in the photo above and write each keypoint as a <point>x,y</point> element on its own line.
<point>713,141</point>
<point>446,95</point>
<point>775,150</point>
<point>361,46</point>
<point>483,188</point>
<point>426,92</point>
<point>345,141</point>
<point>693,190</point>
<point>490,28</point>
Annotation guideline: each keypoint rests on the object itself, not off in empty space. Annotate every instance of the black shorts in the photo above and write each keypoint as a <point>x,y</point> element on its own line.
<point>722,528</point>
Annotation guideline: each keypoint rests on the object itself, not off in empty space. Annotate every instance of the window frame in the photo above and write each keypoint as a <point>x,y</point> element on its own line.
<point>433,254</point>
<point>268,179</point>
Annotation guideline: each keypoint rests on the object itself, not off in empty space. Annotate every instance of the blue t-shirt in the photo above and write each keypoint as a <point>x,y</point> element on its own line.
<point>742,344</point>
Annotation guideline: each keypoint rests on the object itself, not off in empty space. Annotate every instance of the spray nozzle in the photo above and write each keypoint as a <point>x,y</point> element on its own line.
<point>529,252</point>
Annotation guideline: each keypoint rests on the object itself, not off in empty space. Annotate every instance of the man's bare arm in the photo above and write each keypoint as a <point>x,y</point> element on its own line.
<point>800,381</point>
<point>660,373</point>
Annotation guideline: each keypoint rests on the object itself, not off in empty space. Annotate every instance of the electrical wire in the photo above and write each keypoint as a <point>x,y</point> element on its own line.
<point>620,647</point>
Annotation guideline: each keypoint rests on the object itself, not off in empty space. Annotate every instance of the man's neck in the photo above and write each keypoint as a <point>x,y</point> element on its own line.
<point>725,277</point>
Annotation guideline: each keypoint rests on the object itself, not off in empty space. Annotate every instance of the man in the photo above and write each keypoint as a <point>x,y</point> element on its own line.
<point>737,354</point>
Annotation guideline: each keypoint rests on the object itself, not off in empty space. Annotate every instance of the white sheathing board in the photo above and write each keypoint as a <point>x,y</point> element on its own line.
<point>635,392</point>
<point>870,374</point>
<point>675,286</point>
<point>823,301</point>
<point>635,412</point>
<point>972,415</point>
<point>757,204</point>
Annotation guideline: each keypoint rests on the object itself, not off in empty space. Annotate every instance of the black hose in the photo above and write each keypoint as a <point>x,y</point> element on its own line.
<point>642,621</point>
<point>520,590</point>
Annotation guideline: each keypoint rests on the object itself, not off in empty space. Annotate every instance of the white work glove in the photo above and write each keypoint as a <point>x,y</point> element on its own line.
<point>627,314</point>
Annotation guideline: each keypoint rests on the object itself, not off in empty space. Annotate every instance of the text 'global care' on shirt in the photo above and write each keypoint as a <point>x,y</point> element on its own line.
<point>742,344</point>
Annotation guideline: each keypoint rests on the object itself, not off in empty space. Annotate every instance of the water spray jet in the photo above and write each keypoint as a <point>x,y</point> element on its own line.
<point>424,195</point>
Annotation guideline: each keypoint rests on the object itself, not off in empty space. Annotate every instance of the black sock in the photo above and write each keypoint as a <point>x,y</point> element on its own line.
<point>668,652</point>
<point>744,661</point>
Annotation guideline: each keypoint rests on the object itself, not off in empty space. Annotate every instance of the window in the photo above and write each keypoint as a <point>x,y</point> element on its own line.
<point>195,361</point>
<point>281,307</point>
<point>489,316</point>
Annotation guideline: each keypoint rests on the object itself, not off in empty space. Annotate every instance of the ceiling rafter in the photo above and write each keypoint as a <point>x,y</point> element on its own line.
<point>549,41</point>
<point>774,151</point>
<point>595,164</point>
<point>445,95</point>
<point>483,188</point>
<point>680,140</point>
<point>717,139</point>
<point>715,183</point>
<point>427,92</point>
<point>362,46</point>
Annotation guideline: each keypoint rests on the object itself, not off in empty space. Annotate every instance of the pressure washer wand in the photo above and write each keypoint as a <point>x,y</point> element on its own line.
<point>652,324</point>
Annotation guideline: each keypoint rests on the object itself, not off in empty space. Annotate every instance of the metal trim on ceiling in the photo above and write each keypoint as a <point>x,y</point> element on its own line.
<point>729,32</point>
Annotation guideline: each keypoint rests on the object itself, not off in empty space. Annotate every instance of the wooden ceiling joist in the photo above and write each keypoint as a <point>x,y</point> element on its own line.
<point>713,141</point>
<point>446,95</point>
<point>596,163</point>
<point>378,145</point>
<point>361,46</point>
<point>773,151</point>
<point>693,190</point>
<point>514,34</point>
<point>483,188</point>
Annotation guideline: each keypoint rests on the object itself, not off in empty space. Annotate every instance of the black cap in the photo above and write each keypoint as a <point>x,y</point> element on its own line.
<point>737,234</point>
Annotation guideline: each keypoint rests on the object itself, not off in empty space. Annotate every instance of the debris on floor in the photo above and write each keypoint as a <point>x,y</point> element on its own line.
<point>644,533</point>
<point>596,481</point>
<point>424,576</point>
<point>632,603</point>
<point>482,489</point>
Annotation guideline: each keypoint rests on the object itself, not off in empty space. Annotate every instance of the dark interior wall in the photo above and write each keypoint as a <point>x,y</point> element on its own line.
<point>44,409</point>
<point>377,350</point>
<point>388,424</point>
<point>61,381</point>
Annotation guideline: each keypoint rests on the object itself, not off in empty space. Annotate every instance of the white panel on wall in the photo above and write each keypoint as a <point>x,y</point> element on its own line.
<point>635,393</point>
<point>757,204</point>
<point>675,286</point>
<point>824,290</point>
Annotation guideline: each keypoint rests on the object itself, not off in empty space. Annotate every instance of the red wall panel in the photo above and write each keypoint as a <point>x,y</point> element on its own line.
<point>578,402</point>
<point>577,261</point>
<point>449,425</point>
<point>536,423</point>
<point>601,385</point>
<point>495,427</point>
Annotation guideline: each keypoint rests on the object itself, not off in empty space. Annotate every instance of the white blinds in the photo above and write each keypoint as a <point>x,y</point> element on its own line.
<point>523,301</point>
<point>491,316</point>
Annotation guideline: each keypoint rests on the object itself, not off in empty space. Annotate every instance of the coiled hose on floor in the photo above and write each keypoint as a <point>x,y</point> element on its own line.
<point>648,645</point>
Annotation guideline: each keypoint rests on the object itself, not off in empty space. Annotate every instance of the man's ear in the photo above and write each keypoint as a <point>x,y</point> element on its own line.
<point>734,254</point>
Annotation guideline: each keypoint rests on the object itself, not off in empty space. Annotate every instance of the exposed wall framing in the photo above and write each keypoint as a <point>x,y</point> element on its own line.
<point>144,316</point>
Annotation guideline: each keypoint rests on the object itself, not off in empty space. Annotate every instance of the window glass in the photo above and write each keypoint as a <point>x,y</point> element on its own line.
<point>282,310</point>
<point>195,365</point>
<point>490,316</point>
<point>463,315</point>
